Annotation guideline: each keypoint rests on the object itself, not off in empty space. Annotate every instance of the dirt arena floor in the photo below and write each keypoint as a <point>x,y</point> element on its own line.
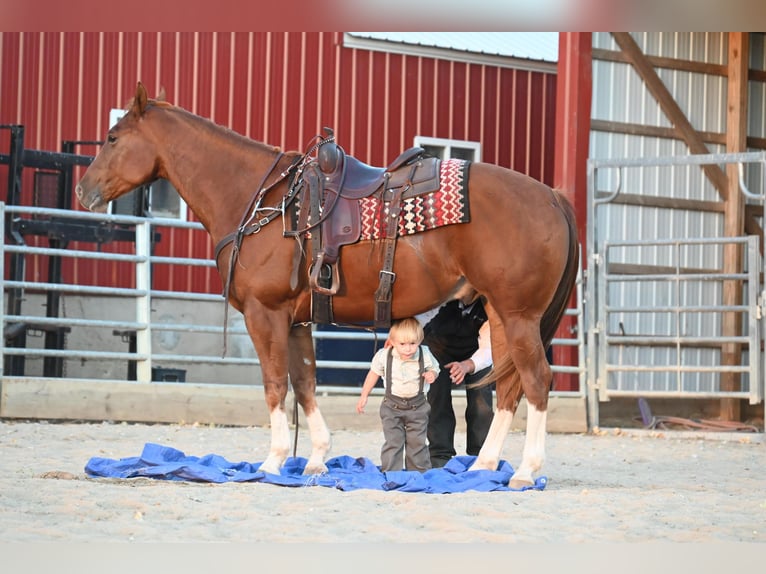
<point>608,486</point>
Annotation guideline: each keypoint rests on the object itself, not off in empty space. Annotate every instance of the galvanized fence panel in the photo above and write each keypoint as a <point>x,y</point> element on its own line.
<point>655,305</point>
<point>685,357</point>
<point>152,335</point>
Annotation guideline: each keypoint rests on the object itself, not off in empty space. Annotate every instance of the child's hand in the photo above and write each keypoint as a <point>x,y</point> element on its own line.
<point>429,377</point>
<point>361,404</point>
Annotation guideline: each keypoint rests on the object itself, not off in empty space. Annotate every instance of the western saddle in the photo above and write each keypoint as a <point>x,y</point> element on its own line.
<point>334,184</point>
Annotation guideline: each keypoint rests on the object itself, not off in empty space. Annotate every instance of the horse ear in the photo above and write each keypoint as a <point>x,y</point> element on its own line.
<point>139,101</point>
<point>162,96</point>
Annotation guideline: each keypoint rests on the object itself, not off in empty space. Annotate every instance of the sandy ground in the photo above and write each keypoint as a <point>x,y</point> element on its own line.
<point>607,487</point>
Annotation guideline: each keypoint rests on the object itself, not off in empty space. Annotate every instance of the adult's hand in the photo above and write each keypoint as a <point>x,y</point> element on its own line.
<point>459,369</point>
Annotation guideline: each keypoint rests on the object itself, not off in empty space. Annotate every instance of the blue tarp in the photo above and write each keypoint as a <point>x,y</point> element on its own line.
<point>343,472</point>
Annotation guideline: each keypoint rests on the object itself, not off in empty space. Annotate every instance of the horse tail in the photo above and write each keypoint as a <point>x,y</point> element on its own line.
<point>552,316</point>
<point>558,306</point>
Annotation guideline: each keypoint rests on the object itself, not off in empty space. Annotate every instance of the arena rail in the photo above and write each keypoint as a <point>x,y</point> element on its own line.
<point>165,343</point>
<point>657,305</point>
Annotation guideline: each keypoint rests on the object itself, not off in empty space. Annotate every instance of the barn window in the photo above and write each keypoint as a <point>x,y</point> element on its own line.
<point>158,199</point>
<point>450,149</point>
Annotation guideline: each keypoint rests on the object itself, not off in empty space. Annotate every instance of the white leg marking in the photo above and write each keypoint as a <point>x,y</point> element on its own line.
<point>320,443</point>
<point>489,455</point>
<point>280,442</point>
<point>534,448</point>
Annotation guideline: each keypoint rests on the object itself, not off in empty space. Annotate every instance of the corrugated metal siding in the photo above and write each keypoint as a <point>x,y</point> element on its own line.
<point>620,95</point>
<point>281,88</point>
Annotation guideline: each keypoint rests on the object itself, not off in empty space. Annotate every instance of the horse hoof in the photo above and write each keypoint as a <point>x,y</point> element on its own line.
<point>315,469</point>
<point>518,484</point>
<point>480,464</point>
<point>269,467</point>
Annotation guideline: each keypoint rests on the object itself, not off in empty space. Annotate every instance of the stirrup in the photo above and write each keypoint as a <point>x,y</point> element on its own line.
<point>316,275</point>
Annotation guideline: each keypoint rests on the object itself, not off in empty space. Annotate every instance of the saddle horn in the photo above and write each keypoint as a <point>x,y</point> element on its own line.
<point>328,152</point>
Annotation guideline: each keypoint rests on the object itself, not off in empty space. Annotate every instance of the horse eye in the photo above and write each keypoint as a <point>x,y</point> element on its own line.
<point>111,138</point>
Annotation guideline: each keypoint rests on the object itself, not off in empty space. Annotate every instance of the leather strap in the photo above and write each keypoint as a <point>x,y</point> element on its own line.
<point>421,371</point>
<point>387,276</point>
<point>237,238</point>
<point>321,302</point>
<point>259,193</point>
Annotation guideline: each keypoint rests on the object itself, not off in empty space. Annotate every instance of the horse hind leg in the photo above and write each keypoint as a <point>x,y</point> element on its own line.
<point>534,448</point>
<point>532,377</point>
<point>489,455</point>
<point>302,368</point>
<point>529,356</point>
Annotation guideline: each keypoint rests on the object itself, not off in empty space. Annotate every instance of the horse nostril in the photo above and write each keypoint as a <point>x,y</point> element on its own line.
<point>78,191</point>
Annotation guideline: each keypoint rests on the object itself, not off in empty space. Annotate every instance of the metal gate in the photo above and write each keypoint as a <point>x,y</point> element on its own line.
<point>142,334</point>
<point>655,306</point>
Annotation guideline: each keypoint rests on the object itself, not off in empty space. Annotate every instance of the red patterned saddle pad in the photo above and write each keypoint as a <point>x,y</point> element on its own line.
<point>445,206</point>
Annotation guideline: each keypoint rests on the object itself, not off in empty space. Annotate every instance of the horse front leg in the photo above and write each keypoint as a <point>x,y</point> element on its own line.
<point>269,332</point>
<point>302,367</point>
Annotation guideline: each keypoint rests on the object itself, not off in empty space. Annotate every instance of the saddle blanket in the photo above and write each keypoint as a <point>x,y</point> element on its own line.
<point>445,206</point>
<point>344,473</point>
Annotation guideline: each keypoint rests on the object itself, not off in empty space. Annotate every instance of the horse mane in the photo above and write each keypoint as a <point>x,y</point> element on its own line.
<point>210,124</point>
<point>140,103</point>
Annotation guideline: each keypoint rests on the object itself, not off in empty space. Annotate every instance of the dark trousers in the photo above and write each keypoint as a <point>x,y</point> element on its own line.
<point>404,435</point>
<point>441,422</point>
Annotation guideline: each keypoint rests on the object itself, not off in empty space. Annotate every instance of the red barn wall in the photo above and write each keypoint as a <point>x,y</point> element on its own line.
<point>276,87</point>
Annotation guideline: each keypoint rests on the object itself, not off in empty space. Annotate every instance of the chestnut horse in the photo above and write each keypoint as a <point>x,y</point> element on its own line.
<point>519,250</point>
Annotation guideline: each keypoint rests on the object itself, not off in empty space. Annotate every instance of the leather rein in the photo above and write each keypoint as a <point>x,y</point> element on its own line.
<point>248,227</point>
<point>245,227</point>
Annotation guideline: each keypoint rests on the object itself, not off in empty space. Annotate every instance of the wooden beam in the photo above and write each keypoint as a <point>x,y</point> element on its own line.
<point>660,62</point>
<point>665,133</point>
<point>671,108</point>
<point>639,269</point>
<point>234,405</point>
<point>686,131</point>
<point>677,64</point>
<point>734,215</point>
<point>664,202</point>
<point>650,131</point>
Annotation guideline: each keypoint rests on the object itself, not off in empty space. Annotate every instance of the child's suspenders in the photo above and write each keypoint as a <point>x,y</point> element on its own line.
<point>390,362</point>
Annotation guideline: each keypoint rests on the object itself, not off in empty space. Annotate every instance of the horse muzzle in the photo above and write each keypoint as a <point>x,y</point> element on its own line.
<point>91,200</point>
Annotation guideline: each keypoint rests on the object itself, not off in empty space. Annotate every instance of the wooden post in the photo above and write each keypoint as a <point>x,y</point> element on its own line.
<point>573,101</point>
<point>734,215</point>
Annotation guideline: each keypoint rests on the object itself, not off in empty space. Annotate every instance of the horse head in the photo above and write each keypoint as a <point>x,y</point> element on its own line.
<point>129,158</point>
